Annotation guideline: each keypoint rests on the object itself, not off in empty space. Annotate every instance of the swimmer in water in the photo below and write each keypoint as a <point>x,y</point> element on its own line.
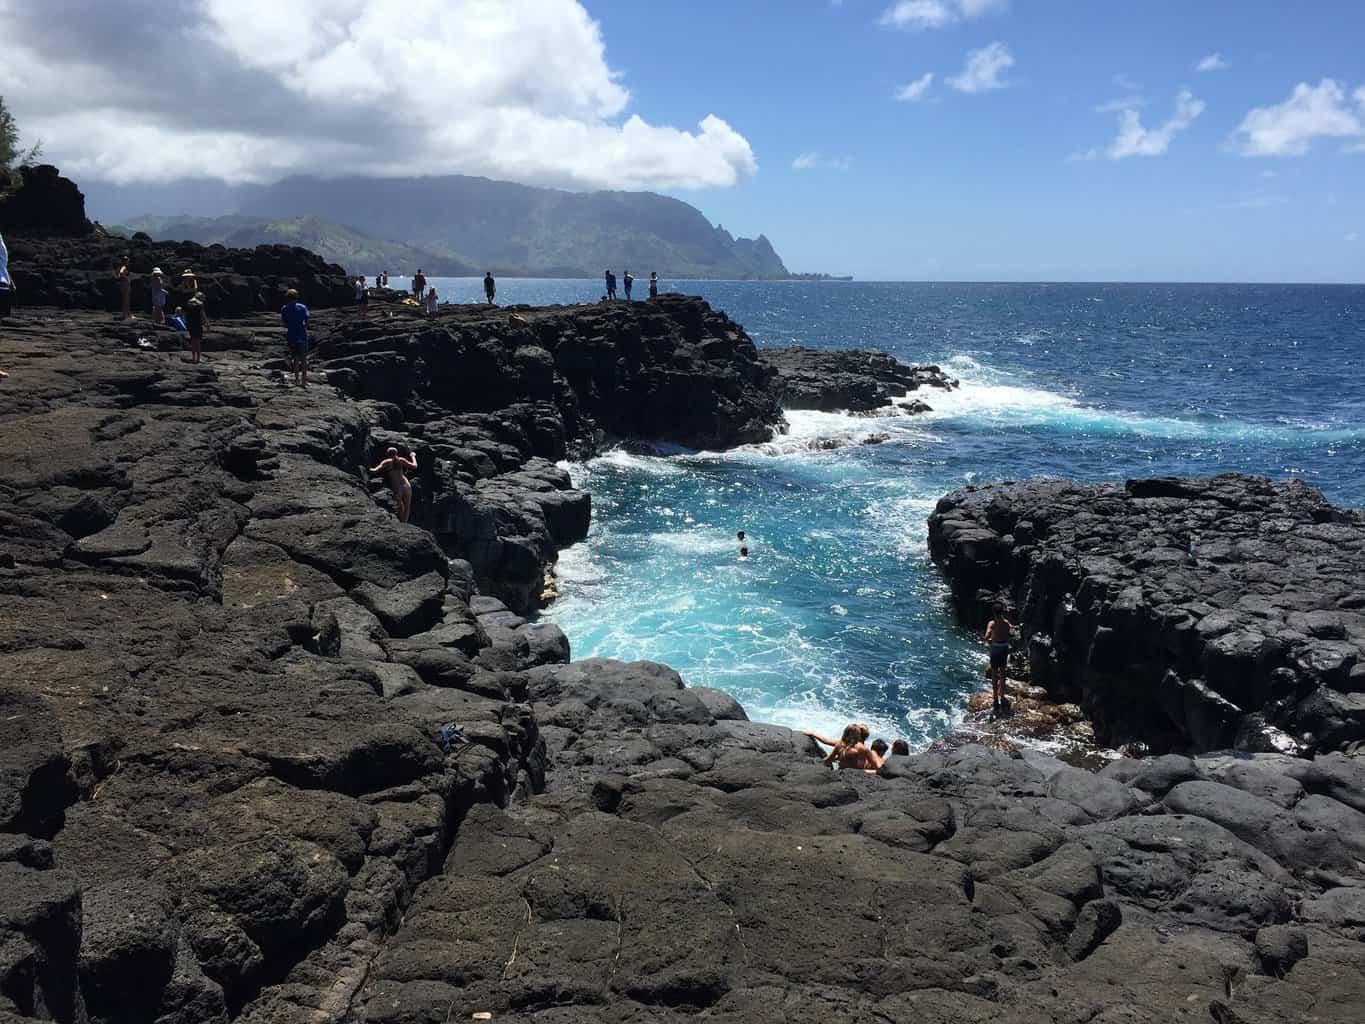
<point>394,467</point>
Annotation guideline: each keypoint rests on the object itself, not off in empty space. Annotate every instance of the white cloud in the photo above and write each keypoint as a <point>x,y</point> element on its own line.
<point>915,91</point>
<point>1270,174</point>
<point>1127,84</point>
<point>1135,140</point>
<point>1351,236</point>
<point>1213,62</point>
<point>1290,128</point>
<point>1122,103</point>
<point>983,69</point>
<point>919,15</point>
<point>517,89</point>
<point>814,160</point>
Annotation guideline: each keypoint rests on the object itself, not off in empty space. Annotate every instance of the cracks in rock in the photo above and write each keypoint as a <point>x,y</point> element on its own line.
<point>516,940</point>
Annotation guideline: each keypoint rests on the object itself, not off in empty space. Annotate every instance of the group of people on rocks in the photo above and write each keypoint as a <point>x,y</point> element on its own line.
<point>629,282</point>
<point>852,752</point>
<point>190,317</point>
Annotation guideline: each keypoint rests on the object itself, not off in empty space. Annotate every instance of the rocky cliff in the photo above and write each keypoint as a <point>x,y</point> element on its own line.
<point>58,258</point>
<point>1187,613</point>
<point>268,755</point>
<point>857,380</point>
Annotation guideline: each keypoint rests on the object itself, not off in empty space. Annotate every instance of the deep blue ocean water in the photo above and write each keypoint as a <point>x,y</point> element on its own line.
<point>839,614</point>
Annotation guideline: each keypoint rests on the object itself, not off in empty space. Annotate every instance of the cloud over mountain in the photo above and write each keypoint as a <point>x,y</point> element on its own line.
<point>251,90</point>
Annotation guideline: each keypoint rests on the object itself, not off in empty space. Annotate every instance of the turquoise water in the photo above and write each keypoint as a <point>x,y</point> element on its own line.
<point>839,615</point>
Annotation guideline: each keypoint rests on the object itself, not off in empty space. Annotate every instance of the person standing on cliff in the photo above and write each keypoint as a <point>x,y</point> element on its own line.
<point>490,287</point>
<point>158,297</point>
<point>419,285</point>
<point>197,320</point>
<point>124,276</point>
<point>653,285</point>
<point>6,284</point>
<point>295,317</point>
<point>362,296</point>
<point>998,633</point>
<point>627,280</point>
<point>611,285</point>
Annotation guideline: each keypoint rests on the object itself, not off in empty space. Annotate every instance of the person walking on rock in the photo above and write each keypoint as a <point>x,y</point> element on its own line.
<point>295,317</point>
<point>394,467</point>
<point>653,285</point>
<point>197,321</point>
<point>611,285</point>
<point>124,277</point>
<point>627,280</point>
<point>998,632</point>
<point>490,287</point>
<point>158,297</point>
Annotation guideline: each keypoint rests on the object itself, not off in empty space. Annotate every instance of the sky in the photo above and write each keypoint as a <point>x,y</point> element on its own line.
<point>889,139</point>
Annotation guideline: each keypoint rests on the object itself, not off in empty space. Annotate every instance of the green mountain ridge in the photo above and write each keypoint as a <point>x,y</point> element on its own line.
<point>458,225</point>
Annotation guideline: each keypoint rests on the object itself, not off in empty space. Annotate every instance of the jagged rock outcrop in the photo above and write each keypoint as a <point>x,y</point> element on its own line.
<point>857,380</point>
<point>43,204</point>
<point>1187,613</point>
<point>58,258</point>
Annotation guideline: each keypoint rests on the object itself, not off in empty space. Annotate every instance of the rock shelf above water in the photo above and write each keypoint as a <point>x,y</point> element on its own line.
<point>855,380</point>
<point>1188,613</point>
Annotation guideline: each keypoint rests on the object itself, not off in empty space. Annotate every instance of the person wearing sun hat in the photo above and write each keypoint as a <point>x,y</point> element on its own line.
<point>158,297</point>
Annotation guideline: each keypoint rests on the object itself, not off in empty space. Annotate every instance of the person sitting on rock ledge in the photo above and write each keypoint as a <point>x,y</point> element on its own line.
<point>998,632</point>
<point>393,466</point>
<point>849,752</point>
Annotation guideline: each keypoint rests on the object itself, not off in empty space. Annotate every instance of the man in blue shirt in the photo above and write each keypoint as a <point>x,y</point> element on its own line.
<point>295,317</point>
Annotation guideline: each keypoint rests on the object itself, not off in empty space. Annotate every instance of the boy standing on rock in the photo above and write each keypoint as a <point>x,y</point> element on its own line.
<point>197,320</point>
<point>611,285</point>
<point>998,632</point>
<point>124,276</point>
<point>627,280</point>
<point>295,317</point>
<point>490,287</point>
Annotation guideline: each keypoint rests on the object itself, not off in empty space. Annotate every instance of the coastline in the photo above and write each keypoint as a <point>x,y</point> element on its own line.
<point>281,761</point>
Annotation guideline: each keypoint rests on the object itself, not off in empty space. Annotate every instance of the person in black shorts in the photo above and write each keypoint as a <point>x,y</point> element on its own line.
<point>490,287</point>
<point>998,632</point>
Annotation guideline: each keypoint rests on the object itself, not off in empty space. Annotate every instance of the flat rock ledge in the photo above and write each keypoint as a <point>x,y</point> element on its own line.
<point>853,380</point>
<point>267,755</point>
<point>1189,614</point>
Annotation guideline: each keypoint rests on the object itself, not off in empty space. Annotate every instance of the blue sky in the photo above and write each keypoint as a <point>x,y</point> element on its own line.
<point>987,185</point>
<point>891,139</point>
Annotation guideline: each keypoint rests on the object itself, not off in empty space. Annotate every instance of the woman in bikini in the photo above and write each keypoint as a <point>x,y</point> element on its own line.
<point>998,632</point>
<point>394,467</point>
<point>849,751</point>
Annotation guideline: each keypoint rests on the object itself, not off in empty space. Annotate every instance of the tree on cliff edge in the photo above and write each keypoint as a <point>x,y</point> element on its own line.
<point>11,156</point>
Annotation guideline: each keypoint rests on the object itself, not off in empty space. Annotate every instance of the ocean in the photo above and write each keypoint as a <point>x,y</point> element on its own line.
<point>839,614</point>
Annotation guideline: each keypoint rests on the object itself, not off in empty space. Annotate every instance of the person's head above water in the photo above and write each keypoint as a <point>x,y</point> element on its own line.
<point>880,746</point>
<point>900,747</point>
<point>740,535</point>
<point>743,552</point>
